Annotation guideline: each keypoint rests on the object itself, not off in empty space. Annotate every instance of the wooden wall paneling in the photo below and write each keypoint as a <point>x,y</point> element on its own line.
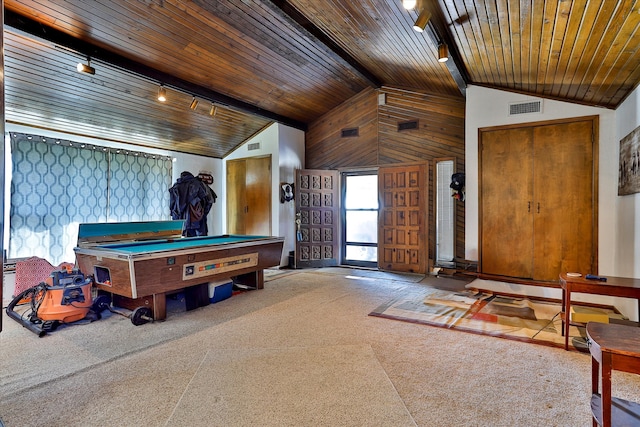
<point>440,134</point>
<point>326,149</point>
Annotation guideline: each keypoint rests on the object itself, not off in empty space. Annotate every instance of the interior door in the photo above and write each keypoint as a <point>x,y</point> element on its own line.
<point>317,207</point>
<point>564,199</point>
<point>538,200</point>
<point>236,192</point>
<point>506,197</point>
<point>402,226</point>
<point>249,196</point>
<point>258,195</point>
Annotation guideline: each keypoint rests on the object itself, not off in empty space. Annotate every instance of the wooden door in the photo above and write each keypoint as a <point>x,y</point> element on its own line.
<point>538,200</point>
<point>506,195</point>
<point>402,235</point>
<point>236,201</point>
<point>564,199</point>
<point>258,195</point>
<point>317,203</point>
<point>249,196</point>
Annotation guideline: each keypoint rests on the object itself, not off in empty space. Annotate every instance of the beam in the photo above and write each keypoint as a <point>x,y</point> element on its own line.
<point>29,26</point>
<point>454,64</point>
<point>302,20</point>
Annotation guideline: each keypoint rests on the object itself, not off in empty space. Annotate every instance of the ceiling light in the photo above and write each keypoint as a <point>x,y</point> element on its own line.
<point>86,68</point>
<point>194,103</point>
<point>409,4</point>
<point>162,94</point>
<point>443,53</point>
<point>422,21</point>
<point>213,110</point>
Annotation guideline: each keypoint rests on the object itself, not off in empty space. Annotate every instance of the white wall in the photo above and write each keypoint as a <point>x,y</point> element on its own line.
<point>286,147</point>
<point>196,164</point>
<point>291,158</point>
<point>626,251</point>
<point>618,222</point>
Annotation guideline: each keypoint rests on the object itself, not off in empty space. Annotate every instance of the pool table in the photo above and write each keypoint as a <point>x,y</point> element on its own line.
<point>143,262</point>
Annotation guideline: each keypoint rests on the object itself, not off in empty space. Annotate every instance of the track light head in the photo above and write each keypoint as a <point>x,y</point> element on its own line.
<point>443,52</point>
<point>194,103</point>
<point>162,94</point>
<point>422,20</point>
<point>86,68</point>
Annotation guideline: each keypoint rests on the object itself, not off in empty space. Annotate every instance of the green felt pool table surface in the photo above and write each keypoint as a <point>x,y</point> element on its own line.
<point>163,245</point>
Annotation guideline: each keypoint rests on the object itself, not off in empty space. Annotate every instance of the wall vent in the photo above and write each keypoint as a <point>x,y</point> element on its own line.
<point>253,146</point>
<point>525,107</point>
<point>411,124</point>
<point>347,133</point>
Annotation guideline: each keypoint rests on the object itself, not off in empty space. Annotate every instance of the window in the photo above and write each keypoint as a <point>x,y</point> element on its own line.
<point>58,184</point>
<point>360,219</point>
<point>445,220</point>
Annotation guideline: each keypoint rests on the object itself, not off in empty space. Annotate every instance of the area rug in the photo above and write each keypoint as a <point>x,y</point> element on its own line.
<point>522,319</point>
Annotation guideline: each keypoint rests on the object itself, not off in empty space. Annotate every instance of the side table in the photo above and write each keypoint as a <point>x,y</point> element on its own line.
<point>612,347</point>
<point>614,287</point>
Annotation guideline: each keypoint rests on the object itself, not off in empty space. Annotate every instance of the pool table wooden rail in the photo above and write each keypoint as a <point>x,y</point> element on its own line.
<point>145,278</point>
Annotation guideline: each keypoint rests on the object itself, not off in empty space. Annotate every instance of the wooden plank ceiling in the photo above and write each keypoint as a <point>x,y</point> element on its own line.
<point>260,61</point>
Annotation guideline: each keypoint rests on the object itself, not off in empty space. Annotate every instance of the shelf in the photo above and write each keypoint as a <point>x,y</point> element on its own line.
<point>623,412</point>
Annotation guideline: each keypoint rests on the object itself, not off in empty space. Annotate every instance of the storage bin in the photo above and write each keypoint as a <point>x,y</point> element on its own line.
<point>219,291</point>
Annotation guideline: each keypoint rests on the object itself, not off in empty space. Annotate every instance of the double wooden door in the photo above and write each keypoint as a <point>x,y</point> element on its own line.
<point>538,200</point>
<point>402,218</point>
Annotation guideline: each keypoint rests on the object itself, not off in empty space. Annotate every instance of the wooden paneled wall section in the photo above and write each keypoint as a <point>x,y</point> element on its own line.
<point>440,133</point>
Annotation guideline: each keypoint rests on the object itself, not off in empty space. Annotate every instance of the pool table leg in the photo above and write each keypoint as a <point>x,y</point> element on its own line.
<point>156,302</point>
<point>254,279</point>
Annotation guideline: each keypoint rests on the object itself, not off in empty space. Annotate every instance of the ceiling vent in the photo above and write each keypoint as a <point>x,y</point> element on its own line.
<point>411,124</point>
<point>253,146</point>
<point>347,133</point>
<point>525,107</point>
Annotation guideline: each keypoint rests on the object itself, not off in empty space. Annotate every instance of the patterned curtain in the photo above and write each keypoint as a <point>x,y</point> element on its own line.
<point>139,187</point>
<point>58,184</point>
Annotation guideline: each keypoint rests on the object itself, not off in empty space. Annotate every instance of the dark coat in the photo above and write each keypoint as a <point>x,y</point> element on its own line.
<point>191,200</point>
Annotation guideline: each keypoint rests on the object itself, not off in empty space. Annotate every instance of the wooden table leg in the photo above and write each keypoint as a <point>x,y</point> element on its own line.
<point>160,306</point>
<point>605,368</point>
<point>566,299</point>
<point>595,382</point>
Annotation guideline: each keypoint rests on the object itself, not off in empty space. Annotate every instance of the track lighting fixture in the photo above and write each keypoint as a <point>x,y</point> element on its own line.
<point>422,20</point>
<point>86,68</point>
<point>409,4</point>
<point>162,94</point>
<point>443,52</point>
<point>213,110</point>
<point>194,103</point>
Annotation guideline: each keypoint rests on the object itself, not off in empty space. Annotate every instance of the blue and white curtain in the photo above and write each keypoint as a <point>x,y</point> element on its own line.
<point>58,184</point>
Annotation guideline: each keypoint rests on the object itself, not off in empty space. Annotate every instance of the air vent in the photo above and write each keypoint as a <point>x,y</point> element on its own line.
<point>253,146</point>
<point>347,133</point>
<point>525,108</point>
<point>412,124</point>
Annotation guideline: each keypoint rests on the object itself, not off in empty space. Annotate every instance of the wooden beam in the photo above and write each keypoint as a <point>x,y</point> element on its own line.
<point>301,20</point>
<point>454,64</point>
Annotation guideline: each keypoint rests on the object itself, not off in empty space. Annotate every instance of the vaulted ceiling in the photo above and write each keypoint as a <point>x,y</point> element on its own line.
<point>291,61</point>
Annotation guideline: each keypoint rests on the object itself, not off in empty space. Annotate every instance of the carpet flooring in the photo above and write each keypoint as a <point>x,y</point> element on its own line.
<point>301,351</point>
